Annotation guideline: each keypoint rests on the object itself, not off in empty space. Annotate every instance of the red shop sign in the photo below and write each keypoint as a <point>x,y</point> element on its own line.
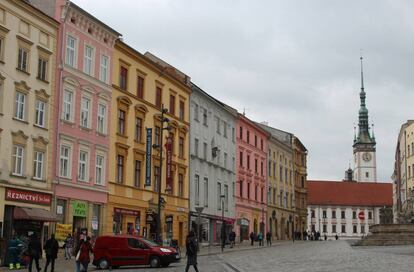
<point>126,212</point>
<point>28,196</point>
<point>169,178</point>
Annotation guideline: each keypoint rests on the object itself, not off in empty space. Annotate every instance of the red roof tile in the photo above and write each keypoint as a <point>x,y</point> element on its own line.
<point>345,193</point>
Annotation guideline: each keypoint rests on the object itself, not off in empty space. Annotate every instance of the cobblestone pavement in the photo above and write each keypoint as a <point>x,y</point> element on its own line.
<point>301,256</point>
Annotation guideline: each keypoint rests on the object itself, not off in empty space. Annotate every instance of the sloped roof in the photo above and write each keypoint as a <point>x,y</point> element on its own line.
<point>345,193</point>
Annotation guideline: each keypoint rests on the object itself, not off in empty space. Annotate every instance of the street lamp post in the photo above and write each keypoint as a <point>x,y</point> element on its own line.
<point>199,211</point>
<point>223,227</point>
<point>159,181</point>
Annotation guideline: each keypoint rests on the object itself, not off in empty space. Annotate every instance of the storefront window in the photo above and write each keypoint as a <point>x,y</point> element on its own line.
<point>61,210</point>
<point>96,218</point>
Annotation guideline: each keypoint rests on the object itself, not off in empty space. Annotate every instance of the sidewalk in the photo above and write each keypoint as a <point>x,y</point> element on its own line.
<point>62,265</point>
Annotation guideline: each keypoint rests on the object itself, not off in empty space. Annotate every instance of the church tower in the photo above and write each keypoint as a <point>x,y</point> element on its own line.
<point>365,162</point>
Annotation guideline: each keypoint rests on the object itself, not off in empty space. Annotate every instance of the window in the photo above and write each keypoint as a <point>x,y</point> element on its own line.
<point>196,112</point>
<point>342,214</point>
<point>180,185</point>
<point>140,87</point>
<point>1,48</point>
<point>18,160</point>
<point>248,137</point>
<point>158,97</point>
<point>42,69</point>
<point>333,214</point>
<point>157,136</point>
<point>312,213</point>
<point>343,228</point>
<point>362,228</point>
<point>88,60</point>
<point>241,159</point>
<point>248,190</point>
<point>196,147</point>
<point>182,111</point>
<point>324,214</point>
<point>157,178</point>
<point>205,117</point>
<point>64,161</point>
<point>255,165</point>
<point>353,214</point>
<point>40,108</point>
<point>225,129</point>
<point>181,147</point>
<point>205,192</point>
<point>67,105</point>
<point>120,169</point>
<point>241,189</point>
<point>38,165</point>
<point>197,189</point>
<point>172,104</point>
<point>20,106</point>
<point>366,174</point>
<point>137,175</point>
<point>123,78</point>
<point>138,129</point>
<point>218,196</point>
<point>324,228</point>
<point>217,125</point>
<point>261,168</point>
<point>225,160</point>
<point>255,193</point>
<point>369,215</point>
<point>226,197</point>
<point>205,151</point>
<point>22,59</point>
<point>255,140</point>
<point>71,51</point>
<point>248,162</point>
<point>101,124</point>
<point>232,134</point>
<point>85,112</point>
<point>83,168</point>
<point>241,133</point>
<point>262,195</point>
<point>104,68</point>
<point>99,169</point>
<point>261,144</point>
<point>333,228</point>
<point>121,122</point>
<point>281,173</point>
<point>354,229</point>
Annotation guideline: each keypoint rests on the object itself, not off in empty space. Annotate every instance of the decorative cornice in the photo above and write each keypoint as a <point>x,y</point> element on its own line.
<point>22,85</point>
<point>42,94</point>
<point>19,133</point>
<point>40,139</point>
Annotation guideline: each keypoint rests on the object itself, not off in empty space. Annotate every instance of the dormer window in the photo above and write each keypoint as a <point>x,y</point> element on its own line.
<point>73,20</point>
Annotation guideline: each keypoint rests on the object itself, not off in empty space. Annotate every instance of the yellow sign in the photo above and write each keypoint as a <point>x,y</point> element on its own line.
<point>62,231</point>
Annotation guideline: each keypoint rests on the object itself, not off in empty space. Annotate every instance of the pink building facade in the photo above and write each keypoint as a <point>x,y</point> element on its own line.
<point>251,178</point>
<point>83,102</point>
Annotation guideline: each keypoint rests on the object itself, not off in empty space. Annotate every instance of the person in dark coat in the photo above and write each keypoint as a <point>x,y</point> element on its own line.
<point>269,238</point>
<point>232,238</point>
<point>191,246</point>
<point>35,252</point>
<point>85,250</point>
<point>251,238</point>
<point>51,248</point>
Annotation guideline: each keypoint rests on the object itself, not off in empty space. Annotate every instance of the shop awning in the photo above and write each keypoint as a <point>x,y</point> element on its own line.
<point>35,214</point>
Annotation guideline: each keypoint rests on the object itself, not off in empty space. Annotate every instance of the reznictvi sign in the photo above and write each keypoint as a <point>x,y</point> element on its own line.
<point>79,208</point>
<point>168,149</point>
<point>28,196</point>
<point>148,158</point>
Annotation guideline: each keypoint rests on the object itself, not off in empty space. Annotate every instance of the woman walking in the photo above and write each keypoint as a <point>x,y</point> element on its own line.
<point>84,257</point>
<point>191,245</point>
<point>68,247</point>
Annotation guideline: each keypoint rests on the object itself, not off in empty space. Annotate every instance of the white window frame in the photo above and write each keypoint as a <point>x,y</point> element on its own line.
<point>68,109</point>
<point>40,113</point>
<point>104,68</point>
<point>67,159</point>
<point>71,51</point>
<point>18,156</point>
<point>83,165</point>
<point>101,118</point>
<point>38,165</point>
<point>101,168</point>
<point>197,190</point>
<point>88,60</point>
<point>85,117</point>
<point>20,106</point>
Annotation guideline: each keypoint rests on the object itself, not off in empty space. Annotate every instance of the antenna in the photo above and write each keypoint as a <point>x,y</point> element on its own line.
<point>362,71</point>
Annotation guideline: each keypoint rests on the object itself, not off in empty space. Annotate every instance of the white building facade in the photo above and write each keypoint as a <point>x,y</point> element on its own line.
<point>212,165</point>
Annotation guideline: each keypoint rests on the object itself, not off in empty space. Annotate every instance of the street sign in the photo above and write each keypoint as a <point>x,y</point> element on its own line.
<point>361,215</point>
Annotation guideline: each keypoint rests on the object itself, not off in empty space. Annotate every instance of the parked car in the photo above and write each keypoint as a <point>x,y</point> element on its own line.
<point>125,250</point>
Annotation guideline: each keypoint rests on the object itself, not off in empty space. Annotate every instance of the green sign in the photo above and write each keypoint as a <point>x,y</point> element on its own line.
<point>79,208</point>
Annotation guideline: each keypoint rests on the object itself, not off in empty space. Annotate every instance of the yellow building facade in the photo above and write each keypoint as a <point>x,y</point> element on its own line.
<point>27,80</point>
<point>300,176</point>
<point>142,84</point>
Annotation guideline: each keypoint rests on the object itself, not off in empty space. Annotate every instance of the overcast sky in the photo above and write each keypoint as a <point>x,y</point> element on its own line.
<point>294,64</point>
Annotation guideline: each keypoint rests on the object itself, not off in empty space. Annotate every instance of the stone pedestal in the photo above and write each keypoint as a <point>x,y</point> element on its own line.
<point>389,235</point>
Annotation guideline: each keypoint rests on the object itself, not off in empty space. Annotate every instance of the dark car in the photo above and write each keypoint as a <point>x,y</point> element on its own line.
<point>126,250</point>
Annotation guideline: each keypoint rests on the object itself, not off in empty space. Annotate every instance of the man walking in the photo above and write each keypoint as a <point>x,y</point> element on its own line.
<point>35,252</point>
<point>51,248</point>
<point>251,238</point>
<point>269,238</point>
<point>68,247</point>
<point>191,246</point>
<point>232,238</point>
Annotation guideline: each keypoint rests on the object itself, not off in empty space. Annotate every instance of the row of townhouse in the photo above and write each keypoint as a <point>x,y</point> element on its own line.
<point>82,119</point>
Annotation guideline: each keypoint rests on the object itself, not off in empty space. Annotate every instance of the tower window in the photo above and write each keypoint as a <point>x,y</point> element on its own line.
<point>366,174</point>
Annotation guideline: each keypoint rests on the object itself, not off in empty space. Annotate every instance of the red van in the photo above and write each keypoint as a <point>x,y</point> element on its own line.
<point>122,250</point>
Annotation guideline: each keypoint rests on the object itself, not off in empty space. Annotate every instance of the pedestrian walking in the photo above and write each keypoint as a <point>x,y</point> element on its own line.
<point>260,238</point>
<point>51,249</point>
<point>269,238</point>
<point>13,250</point>
<point>325,237</point>
<point>84,251</point>
<point>191,246</point>
<point>68,247</point>
<point>232,238</point>
<point>336,237</point>
<point>77,255</point>
<point>34,250</point>
<point>251,238</point>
